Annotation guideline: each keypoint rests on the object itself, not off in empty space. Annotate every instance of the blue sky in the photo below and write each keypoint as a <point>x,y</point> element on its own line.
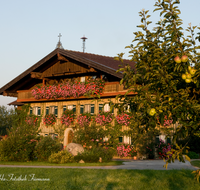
<point>30,28</point>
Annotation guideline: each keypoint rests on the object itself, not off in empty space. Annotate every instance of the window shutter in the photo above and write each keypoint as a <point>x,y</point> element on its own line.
<point>81,109</point>
<point>39,111</point>
<point>168,140</point>
<point>31,111</point>
<point>56,111</point>
<point>157,139</point>
<point>47,110</point>
<point>92,109</point>
<point>64,108</point>
<point>74,109</point>
<point>100,107</point>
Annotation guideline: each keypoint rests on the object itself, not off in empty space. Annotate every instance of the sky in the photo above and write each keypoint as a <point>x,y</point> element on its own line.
<point>29,29</point>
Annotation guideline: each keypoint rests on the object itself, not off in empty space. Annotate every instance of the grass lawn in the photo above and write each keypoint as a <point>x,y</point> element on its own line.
<point>196,163</point>
<point>86,179</point>
<point>112,163</point>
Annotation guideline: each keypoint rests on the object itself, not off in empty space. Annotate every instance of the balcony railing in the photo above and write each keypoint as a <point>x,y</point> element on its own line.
<point>110,89</point>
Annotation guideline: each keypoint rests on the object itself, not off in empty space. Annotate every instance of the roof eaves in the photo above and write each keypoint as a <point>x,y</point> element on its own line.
<point>28,71</point>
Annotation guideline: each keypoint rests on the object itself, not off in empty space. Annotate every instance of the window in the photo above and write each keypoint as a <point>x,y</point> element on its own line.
<point>82,79</point>
<point>105,108</point>
<point>52,110</point>
<point>35,111</point>
<point>87,108</point>
<point>127,108</point>
<point>70,107</point>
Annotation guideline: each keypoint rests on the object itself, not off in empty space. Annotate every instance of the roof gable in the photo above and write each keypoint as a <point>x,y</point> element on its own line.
<point>98,62</point>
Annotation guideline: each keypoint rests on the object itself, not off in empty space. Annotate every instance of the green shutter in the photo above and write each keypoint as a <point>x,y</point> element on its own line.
<point>39,111</point>
<point>92,108</point>
<point>81,109</point>
<point>168,140</point>
<point>47,110</point>
<point>74,109</point>
<point>120,139</point>
<point>56,111</point>
<point>112,110</point>
<point>64,108</point>
<point>100,107</point>
<point>31,111</point>
<point>157,139</point>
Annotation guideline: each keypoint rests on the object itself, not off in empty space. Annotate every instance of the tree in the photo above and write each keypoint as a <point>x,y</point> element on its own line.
<point>165,78</point>
<point>6,118</point>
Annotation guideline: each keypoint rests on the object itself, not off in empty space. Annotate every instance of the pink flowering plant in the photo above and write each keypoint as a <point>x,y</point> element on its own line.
<point>31,120</point>
<point>126,150</point>
<point>123,119</point>
<point>167,122</point>
<point>104,118</point>
<point>49,119</point>
<point>84,119</point>
<point>67,117</point>
<point>69,89</point>
<point>163,148</point>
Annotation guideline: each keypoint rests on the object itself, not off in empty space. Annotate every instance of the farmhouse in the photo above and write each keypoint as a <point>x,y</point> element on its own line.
<point>64,66</point>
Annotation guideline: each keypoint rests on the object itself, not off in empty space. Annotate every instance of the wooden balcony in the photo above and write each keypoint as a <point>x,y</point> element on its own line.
<point>111,89</point>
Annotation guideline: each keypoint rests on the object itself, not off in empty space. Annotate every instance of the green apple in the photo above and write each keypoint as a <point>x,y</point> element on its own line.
<point>177,59</point>
<point>188,80</point>
<point>184,58</point>
<point>184,76</point>
<point>152,112</point>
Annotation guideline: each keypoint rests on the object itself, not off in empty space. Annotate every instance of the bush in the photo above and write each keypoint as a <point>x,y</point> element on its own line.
<point>20,143</point>
<point>193,155</point>
<point>61,157</point>
<point>45,147</point>
<point>15,148</point>
<point>93,155</point>
<point>163,148</point>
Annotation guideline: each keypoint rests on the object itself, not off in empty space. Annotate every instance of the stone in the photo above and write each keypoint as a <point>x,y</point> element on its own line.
<point>81,161</point>
<point>74,148</point>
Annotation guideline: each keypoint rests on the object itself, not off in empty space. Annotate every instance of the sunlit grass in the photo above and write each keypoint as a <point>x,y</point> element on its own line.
<point>35,163</point>
<point>84,179</point>
<point>195,163</point>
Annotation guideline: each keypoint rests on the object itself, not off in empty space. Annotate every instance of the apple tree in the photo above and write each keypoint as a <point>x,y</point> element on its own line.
<point>166,77</point>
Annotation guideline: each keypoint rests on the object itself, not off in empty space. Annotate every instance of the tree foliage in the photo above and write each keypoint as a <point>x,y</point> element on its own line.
<point>164,58</point>
<point>6,118</point>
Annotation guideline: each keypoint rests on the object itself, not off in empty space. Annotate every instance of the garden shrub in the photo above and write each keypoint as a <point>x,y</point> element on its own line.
<point>93,155</point>
<point>193,155</point>
<point>20,143</point>
<point>61,157</point>
<point>126,150</point>
<point>45,147</point>
<point>163,148</point>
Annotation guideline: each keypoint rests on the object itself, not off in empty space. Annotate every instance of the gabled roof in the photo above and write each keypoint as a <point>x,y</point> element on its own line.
<point>102,63</point>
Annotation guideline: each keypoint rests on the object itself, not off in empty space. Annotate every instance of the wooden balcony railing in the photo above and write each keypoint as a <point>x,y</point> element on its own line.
<point>110,89</point>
